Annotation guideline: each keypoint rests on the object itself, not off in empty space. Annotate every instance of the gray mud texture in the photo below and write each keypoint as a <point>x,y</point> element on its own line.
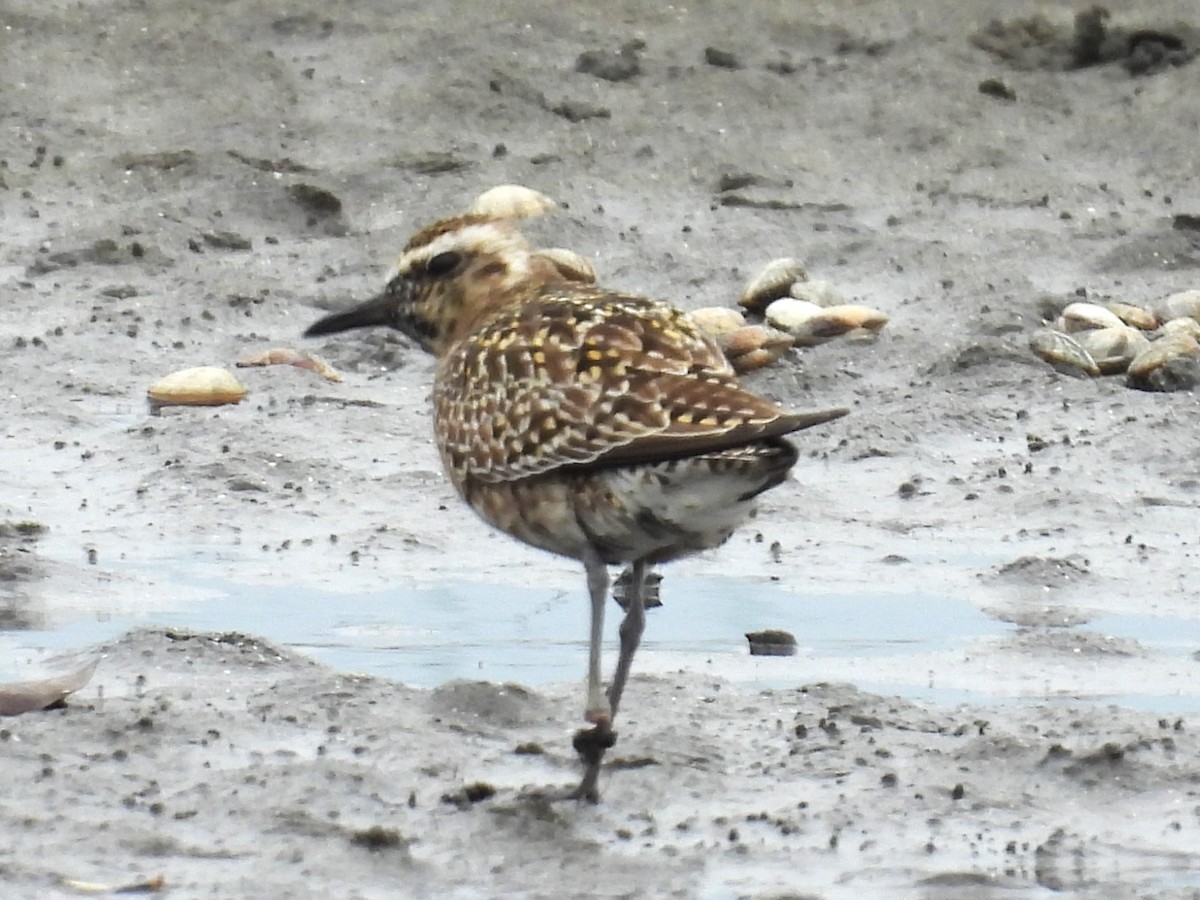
<point>186,184</point>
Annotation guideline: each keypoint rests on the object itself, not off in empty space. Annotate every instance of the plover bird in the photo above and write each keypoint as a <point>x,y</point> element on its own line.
<point>594,424</point>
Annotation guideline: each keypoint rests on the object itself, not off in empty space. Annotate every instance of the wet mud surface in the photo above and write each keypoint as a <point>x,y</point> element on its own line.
<point>189,186</point>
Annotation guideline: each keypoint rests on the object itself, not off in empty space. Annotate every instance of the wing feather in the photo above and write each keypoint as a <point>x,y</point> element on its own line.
<point>583,377</point>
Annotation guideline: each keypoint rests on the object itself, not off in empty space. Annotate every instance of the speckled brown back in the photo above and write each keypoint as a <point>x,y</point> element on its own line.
<point>579,376</point>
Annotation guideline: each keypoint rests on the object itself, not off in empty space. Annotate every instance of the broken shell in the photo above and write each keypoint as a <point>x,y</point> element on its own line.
<point>775,280</point>
<point>818,291</point>
<point>511,201</point>
<point>1133,315</point>
<point>1062,351</point>
<point>569,264</point>
<point>1182,325</point>
<point>1086,316</point>
<point>716,321</point>
<point>202,386</point>
<point>1160,353</point>
<point>811,325</point>
<point>286,356</point>
<point>1113,349</point>
<point>1184,303</point>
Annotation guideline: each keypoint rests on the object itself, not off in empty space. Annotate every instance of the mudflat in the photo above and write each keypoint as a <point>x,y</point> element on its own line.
<point>188,185</point>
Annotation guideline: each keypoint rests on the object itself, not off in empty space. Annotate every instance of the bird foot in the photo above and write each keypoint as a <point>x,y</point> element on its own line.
<point>540,797</point>
<point>591,744</point>
<point>651,589</point>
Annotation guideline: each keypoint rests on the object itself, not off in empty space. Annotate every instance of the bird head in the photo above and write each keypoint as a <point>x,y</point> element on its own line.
<point>452,276</point>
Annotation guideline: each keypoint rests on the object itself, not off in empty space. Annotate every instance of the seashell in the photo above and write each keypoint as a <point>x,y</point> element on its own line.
<point>787,313</point>
<point>755,337</point>
<point>1149,368</point>
<point>717,321</point>
<point>286,356</point>
<point>202,386</point>
<point>1133,315</point>
<point>818,291</point>
<point>1086,316</point>
<point>755,359</point>
<point>511,201</point>
<point>1184,303</point>
<point>811,325</point>
<point>28,696</point>
<point>1062,351</point>
<point>857,316</point>
<point>754,346</point>
<point>773,281</point>
<point>1182,325</point>
<point>1113,349</point>
<point>570,265</point>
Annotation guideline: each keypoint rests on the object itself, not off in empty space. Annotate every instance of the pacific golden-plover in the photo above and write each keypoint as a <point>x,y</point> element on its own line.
<point>594,424</point>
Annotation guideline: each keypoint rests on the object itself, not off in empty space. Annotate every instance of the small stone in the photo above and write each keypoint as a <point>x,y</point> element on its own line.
<point>722,59</point>
<point>771,642</point>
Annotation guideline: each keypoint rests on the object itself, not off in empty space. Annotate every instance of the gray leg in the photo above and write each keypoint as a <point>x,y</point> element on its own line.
<point>598,711</point>
<point>632,627</point>
<point>591,744</point>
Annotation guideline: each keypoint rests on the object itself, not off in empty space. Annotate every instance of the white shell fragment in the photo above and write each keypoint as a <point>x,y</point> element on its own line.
<point>1134,315</point>
<point>1086,316</point>
<point>201,386</point>
<point>717,321</point>
<point>818,291</point>
<point>1062,351</point>
<point>511,201</point>
<point>286,356</point>
<point>810,325</point>
<point>775,280</point>
<point>570,265</point>
<point>1113,349</point>
<point>1184,303</point>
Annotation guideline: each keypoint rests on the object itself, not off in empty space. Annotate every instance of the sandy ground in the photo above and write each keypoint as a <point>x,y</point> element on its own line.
<point>184,184</point>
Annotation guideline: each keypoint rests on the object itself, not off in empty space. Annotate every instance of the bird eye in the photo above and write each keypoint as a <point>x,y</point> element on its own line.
<point>443,263</point>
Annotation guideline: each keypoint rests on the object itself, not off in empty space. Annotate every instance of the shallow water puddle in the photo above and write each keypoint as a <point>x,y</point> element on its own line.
<point>923,647</point>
